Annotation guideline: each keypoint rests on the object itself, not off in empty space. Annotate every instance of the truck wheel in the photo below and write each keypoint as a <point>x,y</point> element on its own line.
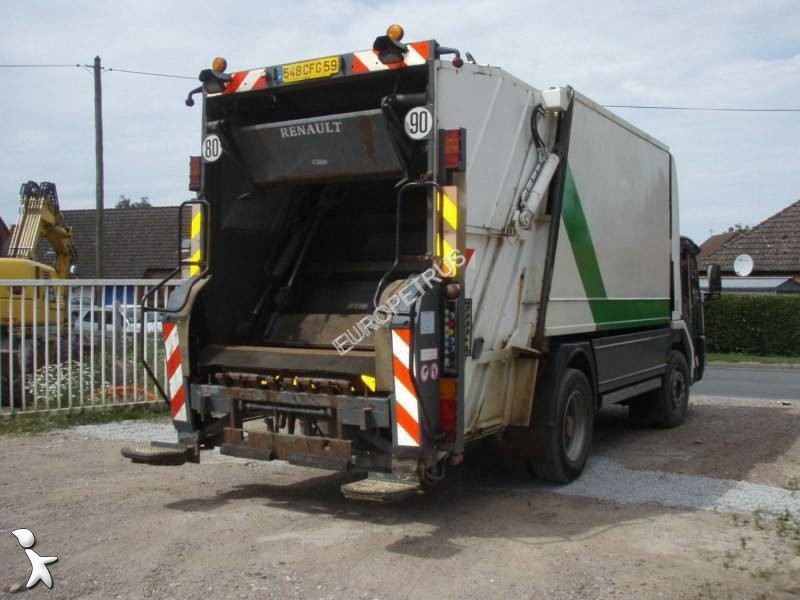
<point>561,449</point>
<point>672,399</point>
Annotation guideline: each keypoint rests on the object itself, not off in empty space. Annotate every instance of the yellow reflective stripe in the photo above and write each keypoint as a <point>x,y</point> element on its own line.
<point>449,257</point>
<point>194,269</point>
<point>369,382</point>
<point>446,226</point>
<point>196,222</point>
<point>450,211</point>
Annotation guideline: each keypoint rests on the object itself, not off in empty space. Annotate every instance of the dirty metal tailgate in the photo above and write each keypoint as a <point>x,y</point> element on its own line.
<point>319,148</point>
<point>307,451</point>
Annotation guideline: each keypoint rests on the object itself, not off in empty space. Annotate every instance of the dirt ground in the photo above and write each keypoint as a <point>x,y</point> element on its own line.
<point>230,528</point>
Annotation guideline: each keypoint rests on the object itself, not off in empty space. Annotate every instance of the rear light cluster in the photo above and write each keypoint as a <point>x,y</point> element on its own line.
<point>450,336</point>
<point>194,173</point>
<point>447,407</point>
<point>454,149</point>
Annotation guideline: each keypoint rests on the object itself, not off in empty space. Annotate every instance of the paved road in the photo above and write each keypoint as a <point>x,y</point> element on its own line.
<point>750,382</point>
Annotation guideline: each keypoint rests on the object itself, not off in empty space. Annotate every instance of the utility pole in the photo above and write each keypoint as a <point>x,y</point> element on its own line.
<point>98,151</point>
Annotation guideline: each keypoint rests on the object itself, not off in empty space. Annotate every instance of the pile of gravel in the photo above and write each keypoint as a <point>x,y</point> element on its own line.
<point>607,480</point>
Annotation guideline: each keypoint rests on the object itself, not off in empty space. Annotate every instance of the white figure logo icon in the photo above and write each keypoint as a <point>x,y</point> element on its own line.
<point>39,572</point>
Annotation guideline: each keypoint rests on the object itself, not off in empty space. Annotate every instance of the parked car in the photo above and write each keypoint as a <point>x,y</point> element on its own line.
<point>126,320</point>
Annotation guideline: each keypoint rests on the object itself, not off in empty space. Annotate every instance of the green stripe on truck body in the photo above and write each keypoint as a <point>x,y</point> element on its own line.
<point>608,313</point>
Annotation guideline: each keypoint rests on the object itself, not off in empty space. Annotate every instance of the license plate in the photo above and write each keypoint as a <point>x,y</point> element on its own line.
<point>311,69</point>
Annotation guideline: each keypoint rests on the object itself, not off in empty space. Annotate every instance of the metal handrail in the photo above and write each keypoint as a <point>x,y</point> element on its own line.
<point>400,196</point>
<point>151,292</point>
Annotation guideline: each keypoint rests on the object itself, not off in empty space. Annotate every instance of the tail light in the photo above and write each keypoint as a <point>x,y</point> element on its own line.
<point>454,149</point>
<point>194,173</point>
<point>447,408</point>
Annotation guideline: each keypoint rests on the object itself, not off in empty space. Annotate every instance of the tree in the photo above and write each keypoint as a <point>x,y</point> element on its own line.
<point>125,202</point>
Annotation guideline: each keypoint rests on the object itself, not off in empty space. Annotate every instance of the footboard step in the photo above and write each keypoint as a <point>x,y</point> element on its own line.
<point>380,490</point>
<point>161,454</point>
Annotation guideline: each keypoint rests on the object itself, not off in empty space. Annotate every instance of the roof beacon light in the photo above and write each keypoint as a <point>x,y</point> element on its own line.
<point>389,47</point>
<point>395,32</point>
<point>214,79</point>
<point>219,65</point>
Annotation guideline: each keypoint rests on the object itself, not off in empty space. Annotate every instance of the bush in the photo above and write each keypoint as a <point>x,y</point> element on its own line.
<point>752,324</point>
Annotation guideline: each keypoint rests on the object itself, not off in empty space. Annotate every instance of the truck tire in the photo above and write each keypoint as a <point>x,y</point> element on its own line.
<point>667,406</point>
<point>561,449</point>
<point>672,398</point>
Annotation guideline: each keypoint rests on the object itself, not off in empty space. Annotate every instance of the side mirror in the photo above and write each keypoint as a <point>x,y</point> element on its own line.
<point>714,281</point>
<point>75,271</point>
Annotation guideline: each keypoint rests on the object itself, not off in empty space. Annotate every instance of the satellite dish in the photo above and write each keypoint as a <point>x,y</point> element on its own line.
<point>743,265</point>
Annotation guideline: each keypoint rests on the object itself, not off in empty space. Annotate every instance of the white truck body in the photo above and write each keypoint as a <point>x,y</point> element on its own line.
<point>615,236</point>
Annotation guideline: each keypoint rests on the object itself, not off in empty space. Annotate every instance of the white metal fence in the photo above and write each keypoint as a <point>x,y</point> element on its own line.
<point>78,343</point>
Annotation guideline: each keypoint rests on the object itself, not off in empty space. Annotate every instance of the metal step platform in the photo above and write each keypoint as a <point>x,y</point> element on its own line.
<point>380,490</point>
<point>158,453</point>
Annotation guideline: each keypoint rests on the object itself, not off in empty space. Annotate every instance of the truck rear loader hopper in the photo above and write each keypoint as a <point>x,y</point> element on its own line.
<point>401,254</point>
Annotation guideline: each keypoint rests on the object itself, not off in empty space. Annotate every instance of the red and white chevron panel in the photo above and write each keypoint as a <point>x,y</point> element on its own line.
<point>367,60</point>
<point>406,401</point>
<point>245,81</point>
<point>172,351</point>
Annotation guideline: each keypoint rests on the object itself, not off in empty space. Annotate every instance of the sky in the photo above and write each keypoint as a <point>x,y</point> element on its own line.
<point>733,167</point>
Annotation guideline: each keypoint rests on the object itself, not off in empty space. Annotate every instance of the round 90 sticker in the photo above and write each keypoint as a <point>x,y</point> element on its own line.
<point>211,149</point>
<point>418,123</point>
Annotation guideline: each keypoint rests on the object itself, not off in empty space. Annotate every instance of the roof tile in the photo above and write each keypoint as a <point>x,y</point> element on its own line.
<point>774,245</point>
<point>137,240</point>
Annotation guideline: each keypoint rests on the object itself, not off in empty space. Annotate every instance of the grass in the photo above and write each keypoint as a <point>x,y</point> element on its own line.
<point>786,524</point>
<point>754,358</point>
<point>45,422</point>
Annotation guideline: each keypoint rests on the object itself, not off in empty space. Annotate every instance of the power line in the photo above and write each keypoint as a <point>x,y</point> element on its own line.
<point>703,108</point>
<point>109,69</point>
<point>36,66</point>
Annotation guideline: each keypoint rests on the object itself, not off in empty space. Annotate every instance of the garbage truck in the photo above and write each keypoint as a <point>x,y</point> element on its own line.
<point>401,253</point>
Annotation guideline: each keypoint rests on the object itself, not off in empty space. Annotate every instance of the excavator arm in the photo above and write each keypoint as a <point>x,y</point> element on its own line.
<point>40,216</point>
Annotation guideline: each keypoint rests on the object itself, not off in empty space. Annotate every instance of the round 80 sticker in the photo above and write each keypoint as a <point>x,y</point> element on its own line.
<point>418,123</point>
<point>212,148</point>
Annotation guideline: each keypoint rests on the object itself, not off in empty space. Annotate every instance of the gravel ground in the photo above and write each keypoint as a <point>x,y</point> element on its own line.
<point>603,479</point>
<point>133,431</point>
<point>651,518</point>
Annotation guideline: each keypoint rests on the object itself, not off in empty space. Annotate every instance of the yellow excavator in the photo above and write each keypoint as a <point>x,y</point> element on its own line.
<point>39,217</point>
<point>31,315</point>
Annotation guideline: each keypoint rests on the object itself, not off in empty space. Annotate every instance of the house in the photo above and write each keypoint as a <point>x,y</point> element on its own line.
<point>140,243</point>
<point>773,245</point>
<point>714,243</point>
<point>5,233</point>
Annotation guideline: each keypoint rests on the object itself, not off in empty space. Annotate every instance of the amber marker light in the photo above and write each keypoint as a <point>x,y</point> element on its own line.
<point>219,65</point>
<point>395,32</point>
